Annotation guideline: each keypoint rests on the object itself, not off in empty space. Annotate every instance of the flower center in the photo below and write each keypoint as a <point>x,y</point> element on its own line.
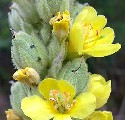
<point>91,35</point>
<point>61,101</point>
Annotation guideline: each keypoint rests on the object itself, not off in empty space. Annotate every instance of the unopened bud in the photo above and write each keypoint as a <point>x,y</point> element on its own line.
<point>60,24</point>
<point>27,75</point>
<point>10,115</point>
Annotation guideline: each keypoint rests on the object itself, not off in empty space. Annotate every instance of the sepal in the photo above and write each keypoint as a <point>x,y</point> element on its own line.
<point>48,8</point>
<point>28,50</point>
<point>57,62</point>
<point>76,73</point>
<point>14,19</point>
<point>45,33</point>
<point>27,10</point>
<point>18,92</point>
<point>53,48</point>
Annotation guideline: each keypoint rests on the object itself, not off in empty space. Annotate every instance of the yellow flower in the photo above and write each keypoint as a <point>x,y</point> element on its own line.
<point>100,88</point>
<point>10,115</point>
<point>60,24</point>
<point>88,35</point>
<point>98,115</point>
<point>27,75</point>
<point>58,102</point>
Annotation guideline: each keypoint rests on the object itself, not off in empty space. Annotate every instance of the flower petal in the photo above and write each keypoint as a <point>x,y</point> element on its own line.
<point>98,115</point>
<point>61,29</point>
<point>84,106</point>
<point>88,13</point>
<point>102,50</point>
<point>99,22</point>
<point>62,117</point>
<point>106,36</point>
<point>109,115</point>
<point>100,88</point>
<point>76,39</point>
<point>97,78</point>
<point>64,86</point>
<point>36,108</point>
<point>46,85</point>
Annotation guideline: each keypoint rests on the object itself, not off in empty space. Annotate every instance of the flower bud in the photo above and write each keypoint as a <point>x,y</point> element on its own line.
<point>27,11</point>
<point>45,33</point>
<point>61,23</point>
<point>18,92</point>
<point>48,8</point>
<point>10,115</point>
<point>27,75</point>
<point>15,19</point>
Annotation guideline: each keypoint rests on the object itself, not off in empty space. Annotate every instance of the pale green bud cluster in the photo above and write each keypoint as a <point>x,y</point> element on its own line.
<point>34,45</point>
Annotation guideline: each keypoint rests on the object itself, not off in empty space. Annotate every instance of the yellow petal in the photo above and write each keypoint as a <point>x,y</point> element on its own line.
<point>88,13</point>
<point>76,39</point>
<point>61,29</point>
<point>46,85</point>
<point>108,115</point>
<point>106,36</point>
<point>98,115</point>
<point>62,117</point>
<point>77,32</point>
<point>36,108</point>
<point>84,106</point>
<point>99,22</point>
<point>64,86</point>
<point>102,50</point>
<point>101,89</point>
<point>97,78</point>
<point>60,24</point>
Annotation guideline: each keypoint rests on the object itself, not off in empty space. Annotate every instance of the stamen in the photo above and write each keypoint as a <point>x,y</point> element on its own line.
<point>61,101</point>
<point>91,35</point>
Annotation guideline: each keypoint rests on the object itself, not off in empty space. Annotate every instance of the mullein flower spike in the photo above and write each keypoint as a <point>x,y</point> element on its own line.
<point>49,49</point>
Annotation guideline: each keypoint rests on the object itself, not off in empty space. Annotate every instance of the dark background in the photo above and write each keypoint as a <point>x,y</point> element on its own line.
<point>111,67</point>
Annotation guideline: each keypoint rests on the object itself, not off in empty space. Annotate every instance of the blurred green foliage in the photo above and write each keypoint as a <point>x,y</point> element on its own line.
<point>5,41</point>
<point>5,37</point>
